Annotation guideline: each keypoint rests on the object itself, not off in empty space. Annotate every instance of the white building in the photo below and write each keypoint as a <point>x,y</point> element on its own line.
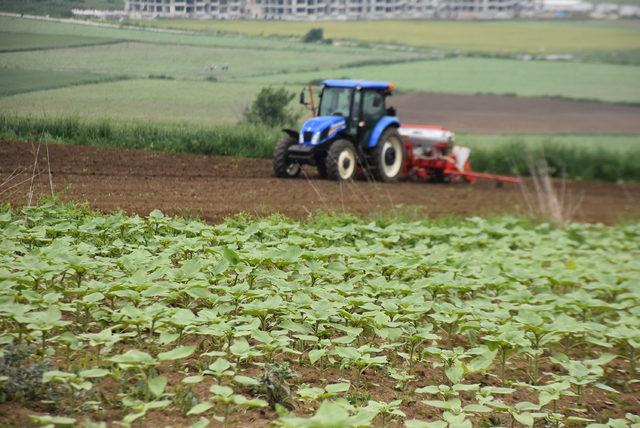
<point>330,9</point>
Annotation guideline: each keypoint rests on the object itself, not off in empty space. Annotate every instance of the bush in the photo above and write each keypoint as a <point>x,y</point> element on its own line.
<point>270,108</point>
<point>313,35</point>
<point>20,380</point>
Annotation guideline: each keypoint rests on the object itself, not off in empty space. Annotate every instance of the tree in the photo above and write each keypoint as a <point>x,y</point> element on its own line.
<point>271,108</point>
<point>313,35</point>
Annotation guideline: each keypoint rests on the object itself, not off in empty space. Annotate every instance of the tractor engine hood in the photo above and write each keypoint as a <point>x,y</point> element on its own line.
<point>318,130</point>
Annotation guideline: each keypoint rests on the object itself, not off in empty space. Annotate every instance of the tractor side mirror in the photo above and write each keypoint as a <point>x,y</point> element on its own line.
<point>302,98</point>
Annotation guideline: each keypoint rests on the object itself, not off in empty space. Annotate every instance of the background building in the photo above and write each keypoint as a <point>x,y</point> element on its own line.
<point>331,9</point>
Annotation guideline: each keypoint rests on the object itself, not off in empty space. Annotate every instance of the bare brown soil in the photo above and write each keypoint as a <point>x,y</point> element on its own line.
<point>217,187</point>
<point>494,114</point>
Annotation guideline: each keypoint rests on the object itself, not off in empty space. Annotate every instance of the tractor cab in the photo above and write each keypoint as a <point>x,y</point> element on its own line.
<point>353,128</point>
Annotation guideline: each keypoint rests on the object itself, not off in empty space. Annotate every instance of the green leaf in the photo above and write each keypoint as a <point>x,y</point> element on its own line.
<point>231,256</point>
<point>53,420</point>
<point>525,419</point>
<point>246,381</point>
<point>157,385</point>
<point>94,373</point>
<point>189,380</point>
<point>177,353</point>
<point>316,354</point>
<point>336,388</point>
<point>605,387</point>
<point>133,358</point>
<point>476,408</point>
<point>202,423</point>
<point>220,365</point>
<point>221,390</point>
<point>240,347</point>
<point>455,373</point>
<point>199,409</point>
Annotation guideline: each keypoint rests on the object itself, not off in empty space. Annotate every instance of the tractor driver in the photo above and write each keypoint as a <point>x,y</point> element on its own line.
<point>373,108</point>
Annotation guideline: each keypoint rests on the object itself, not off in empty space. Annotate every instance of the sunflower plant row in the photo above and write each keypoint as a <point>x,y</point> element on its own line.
<point>330,322</point>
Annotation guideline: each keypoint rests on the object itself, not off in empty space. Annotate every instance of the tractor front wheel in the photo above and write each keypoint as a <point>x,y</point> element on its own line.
<point>341,161</point>
<point>388,157</point>
<point>283,167</point>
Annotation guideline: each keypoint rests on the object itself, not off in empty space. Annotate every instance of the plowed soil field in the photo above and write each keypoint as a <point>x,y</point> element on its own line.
<point>216,187</point>
<point>501,114</point>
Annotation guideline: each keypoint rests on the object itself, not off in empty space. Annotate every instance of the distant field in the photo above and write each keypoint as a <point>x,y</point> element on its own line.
<point>524,36</point>
<point>58,8</point>
<point>497,76</point>
<point>153,100</point>
<point>15,81</point>
<point>241,41</point>
<point>194,62</point>
<point>167,73</point>
<point>30,41</point>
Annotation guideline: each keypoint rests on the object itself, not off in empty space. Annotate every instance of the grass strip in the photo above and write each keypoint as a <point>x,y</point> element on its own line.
<point>594,157</point>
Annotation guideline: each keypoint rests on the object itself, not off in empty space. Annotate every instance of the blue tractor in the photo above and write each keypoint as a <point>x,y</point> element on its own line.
<point>353,128</point>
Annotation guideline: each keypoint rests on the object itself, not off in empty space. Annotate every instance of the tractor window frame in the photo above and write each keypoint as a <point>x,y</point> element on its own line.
<point>382,111</point>
<point>322,98</point>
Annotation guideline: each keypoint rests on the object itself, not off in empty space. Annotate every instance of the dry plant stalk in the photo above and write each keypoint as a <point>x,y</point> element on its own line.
<point>544,199</point>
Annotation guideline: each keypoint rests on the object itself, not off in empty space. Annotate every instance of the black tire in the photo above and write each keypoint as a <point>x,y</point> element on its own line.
<point>282,166</point>
<point>384,164</point>
<point>341,162</point>
<point>322,168</point>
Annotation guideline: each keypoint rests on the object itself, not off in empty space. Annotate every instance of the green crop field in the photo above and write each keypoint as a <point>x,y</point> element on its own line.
<point>493,37</point>
<point>15,81</point>
<point>155,100</point>
<point>334,322</point>
<point>604,82</point>
<point>57,8</point>
<point>22,25</point>
<point>193,62</point>
<point>32,41</point>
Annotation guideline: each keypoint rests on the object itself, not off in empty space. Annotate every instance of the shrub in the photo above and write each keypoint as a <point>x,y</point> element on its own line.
<point>313,35</point>
<point>270,108</point>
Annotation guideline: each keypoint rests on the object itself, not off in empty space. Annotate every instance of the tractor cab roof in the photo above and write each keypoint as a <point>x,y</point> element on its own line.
<point>365,84</point>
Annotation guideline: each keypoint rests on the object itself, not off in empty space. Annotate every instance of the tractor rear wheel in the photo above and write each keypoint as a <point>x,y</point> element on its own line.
<point>387,158</point>
<point>283,167</point>
<point>341,161</point>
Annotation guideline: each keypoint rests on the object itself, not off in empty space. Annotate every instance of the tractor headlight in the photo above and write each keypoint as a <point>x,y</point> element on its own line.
<point>316,138</point>
<point>301,138</point>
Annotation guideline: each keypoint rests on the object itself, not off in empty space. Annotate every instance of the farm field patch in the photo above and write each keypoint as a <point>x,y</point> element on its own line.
<point>494,76</point>
<point>59,8</point>
<point>16,81</point>
<point>351,323</point>
<point>193,62</point>
<point>154,100</point>
<point>23,25</point>
<point>495,37</point>
<point>30,41</point>
<point>213,187</point>
<point>491,114</point>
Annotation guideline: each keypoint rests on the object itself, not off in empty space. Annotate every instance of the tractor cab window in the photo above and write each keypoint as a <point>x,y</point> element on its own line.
<point>336,102</point>
<point>373,108</point>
